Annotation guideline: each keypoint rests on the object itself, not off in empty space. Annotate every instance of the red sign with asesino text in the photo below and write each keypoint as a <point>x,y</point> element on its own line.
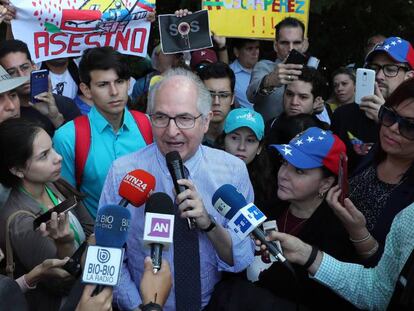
<point>64,28</point>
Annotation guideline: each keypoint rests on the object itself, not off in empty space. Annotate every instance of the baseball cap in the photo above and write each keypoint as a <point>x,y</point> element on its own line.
<point>7,82</point>
<point>203,56</point>
<point>313,148</point>
<point>398,49</point>
<point>245,117</point>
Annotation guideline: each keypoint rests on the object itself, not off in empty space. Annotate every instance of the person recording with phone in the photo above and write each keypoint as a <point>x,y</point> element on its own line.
<point>268,78</point>
<point>393,63</point>
<point>382,185</point>
<point>51,110</point>
<point>31,168</point>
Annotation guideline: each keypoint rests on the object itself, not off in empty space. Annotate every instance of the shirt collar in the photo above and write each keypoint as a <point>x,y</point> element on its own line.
<point>238,67</point>
<point>101,123</point>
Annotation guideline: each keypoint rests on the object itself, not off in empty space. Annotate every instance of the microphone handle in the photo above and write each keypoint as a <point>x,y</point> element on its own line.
<point>191,223</point>
<point>271,246</point>
<point>98,289</point>
<point>123,202</point>
<point>156,256</point>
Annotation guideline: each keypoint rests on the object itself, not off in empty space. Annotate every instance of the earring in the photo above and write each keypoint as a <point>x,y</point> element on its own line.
<point>321,195</point>
<point>20,175</point>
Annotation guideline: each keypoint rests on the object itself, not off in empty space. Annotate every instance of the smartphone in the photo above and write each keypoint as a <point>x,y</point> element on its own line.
<point>365,83</point>
<point>39,83</point>
<point>73,265</point>
<point>343,177</point>
<point>65,206</point>
<point>295,57</point>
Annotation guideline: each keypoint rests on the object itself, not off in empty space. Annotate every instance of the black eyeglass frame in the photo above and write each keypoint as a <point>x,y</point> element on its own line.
<point>175,120</point>
<point>404,124</point>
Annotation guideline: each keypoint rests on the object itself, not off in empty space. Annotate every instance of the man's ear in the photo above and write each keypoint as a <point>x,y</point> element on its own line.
<point>207,120</point>
<point>85,90</point>
<point>236,52</point>
<point>409,74</point>
<point>305,45</point>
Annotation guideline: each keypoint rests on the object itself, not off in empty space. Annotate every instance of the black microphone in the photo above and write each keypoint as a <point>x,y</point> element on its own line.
<point>159,226</point>
<point>176,168</point>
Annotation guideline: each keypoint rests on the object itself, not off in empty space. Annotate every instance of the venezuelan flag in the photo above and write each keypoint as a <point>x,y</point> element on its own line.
<point>148,5</point>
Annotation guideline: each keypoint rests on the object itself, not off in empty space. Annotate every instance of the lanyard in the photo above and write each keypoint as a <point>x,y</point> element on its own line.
<point>55,202</point>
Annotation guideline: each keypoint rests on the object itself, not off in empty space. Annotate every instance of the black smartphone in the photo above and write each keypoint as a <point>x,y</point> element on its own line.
<point>73,265</point>
<point>295,57</point>
<point>39,83</point>
<point>65,206</point>
<point>343,177</point>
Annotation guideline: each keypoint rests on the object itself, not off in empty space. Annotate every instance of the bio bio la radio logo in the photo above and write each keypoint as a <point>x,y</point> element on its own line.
<point>103,255</point>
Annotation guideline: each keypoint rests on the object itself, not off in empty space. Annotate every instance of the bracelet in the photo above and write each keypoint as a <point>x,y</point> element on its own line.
<point>371,251</point>
<point>151,306</point>
<point>312,257</point>
<point>361,240</point>
<point>223,48</point>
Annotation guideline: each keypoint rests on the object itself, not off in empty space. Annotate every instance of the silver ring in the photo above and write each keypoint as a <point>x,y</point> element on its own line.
<point>289,78</point>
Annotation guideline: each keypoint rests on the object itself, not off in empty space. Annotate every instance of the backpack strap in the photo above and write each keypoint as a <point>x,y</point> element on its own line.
<point>10,265</point>
<point>83,139</point>
<point>144,125</point>
<point>82,145</point>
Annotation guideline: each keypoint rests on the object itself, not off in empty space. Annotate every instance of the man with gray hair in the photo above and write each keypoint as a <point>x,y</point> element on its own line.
<point>180,111</point>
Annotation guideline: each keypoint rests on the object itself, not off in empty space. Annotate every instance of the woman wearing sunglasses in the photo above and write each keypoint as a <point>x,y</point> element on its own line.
<point>383,185</point>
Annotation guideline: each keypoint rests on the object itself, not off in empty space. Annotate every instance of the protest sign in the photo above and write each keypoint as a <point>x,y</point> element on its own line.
<point>253,18</point>
<point>64,28</point>
<point>187,33</point>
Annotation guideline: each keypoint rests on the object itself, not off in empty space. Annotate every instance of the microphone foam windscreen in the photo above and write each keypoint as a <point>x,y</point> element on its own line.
<point>111,226</point>
<point>159,203</point>
<point>136,186</point>
<point>227,200</point>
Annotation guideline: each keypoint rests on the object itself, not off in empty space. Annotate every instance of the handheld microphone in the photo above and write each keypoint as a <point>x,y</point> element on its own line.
<point>243,218</point>
<point>159,226</point>
<point>176,168</point>
<point>135,188</point>
<point>104,260</point>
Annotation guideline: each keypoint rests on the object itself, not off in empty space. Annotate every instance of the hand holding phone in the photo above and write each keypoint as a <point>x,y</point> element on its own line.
<point>365,84</point>
<point>39,83</point>
<point>295,57</point>
<point>62,207</point>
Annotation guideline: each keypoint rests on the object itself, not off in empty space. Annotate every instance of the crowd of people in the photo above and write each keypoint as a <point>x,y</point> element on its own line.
<point>268,127</point>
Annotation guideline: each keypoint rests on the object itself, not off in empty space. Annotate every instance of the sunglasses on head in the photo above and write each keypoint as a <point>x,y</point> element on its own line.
<point>389,117</point>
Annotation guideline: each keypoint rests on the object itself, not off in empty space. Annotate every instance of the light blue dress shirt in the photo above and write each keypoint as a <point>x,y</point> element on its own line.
<point>242,82</point>
<point>208,170</point>
<point>372,289</point>
<point>106,146</point>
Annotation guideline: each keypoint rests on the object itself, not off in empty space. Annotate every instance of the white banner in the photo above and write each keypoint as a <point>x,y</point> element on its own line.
<point>64,28</point>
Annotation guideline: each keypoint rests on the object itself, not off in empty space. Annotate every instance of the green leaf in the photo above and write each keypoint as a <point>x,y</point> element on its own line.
<point>51,28</point>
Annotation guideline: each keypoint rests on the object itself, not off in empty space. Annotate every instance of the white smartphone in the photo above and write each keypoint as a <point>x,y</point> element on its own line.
<point>365,83</point>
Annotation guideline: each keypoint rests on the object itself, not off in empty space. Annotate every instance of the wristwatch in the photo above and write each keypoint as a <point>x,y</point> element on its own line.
<point>211,226</point>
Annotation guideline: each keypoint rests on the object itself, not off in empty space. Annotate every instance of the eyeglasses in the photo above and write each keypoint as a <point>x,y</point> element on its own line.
<point>221,95</point>
<point>185,121</point>
<point>388,117</point>
<point>389,70</point>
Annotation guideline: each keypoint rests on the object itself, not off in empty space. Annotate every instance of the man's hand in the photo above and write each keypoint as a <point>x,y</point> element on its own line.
<point>100,302</point>
<point>283,74</point>
<point>182,12</point>
<point>47,107</point>
<point>7,11</point>
<point>191,205</point>
<point>372,104</point>
<point>155,287</point>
